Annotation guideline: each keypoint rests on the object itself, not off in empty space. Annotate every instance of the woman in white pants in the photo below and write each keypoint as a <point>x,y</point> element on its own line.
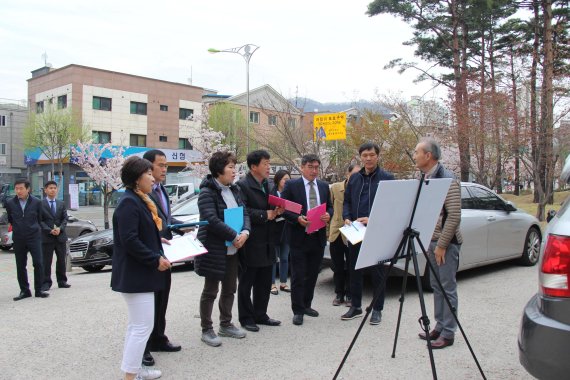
<point>138,262</point>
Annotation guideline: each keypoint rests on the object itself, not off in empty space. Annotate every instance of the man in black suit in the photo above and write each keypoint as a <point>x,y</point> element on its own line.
<point>258,254</point>
<point>54,221</point>
<point>25,216</point>
<point>307,250</point>
<point>158,340</point>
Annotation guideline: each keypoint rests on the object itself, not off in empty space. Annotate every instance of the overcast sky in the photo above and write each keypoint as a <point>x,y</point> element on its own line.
<point>322,49</point>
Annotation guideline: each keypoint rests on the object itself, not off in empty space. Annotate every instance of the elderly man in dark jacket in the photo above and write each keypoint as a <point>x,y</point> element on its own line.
<point>220,264</point>
<point>258,254</point>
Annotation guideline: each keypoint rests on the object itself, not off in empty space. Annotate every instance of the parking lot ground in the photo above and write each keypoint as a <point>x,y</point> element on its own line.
<point>78,333</point>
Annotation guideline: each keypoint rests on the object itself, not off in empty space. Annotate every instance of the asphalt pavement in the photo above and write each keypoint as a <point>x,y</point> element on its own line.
<point>78,333</point>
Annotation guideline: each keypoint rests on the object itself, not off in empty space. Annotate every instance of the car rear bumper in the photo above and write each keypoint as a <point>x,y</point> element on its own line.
<point>543,343</point>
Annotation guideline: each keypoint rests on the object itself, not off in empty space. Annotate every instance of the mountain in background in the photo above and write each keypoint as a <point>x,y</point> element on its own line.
<point>310,105</point>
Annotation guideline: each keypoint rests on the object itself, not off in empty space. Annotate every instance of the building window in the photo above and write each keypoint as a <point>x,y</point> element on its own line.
<point>184,144</point>
<point>186,114</point>
<point>254,117</point>
<point>2,120</point>
<point>163,107</point>
<point>272,120</point>
<point>138,140</point>
<point>62,102</point>
<point>101,137</point>
<point>39,107</point>
<point>2,148</point>
<point>291,122</point>
<point>162,138</point>
<point>103,104</point>
<point>138,108</point>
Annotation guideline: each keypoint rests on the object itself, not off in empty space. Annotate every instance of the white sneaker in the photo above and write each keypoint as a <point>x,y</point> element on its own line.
<point>147,373</point>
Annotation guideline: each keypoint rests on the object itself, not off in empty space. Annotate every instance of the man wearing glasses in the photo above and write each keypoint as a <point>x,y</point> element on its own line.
<point>306,249</point>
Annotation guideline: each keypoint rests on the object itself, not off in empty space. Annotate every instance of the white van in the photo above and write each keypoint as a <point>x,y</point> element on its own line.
<point>179,191</point>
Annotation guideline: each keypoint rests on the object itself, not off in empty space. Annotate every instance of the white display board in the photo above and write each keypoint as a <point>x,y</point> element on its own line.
<point>73,196</point>
<point>390,217</point>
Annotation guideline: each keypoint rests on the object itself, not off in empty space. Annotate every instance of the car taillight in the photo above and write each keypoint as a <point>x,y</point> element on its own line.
<point>10,228</point>
<point>555,269</point>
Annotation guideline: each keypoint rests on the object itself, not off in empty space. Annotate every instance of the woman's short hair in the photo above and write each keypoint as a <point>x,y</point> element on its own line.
<point>132,169</point>
<point>219,161</point>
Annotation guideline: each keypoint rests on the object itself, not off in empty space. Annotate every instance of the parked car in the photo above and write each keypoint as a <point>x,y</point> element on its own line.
<point>179,191</point>
<point>75,228</point>
<point>544,335</point>
<point>95,250</point>
<point>493,230</point>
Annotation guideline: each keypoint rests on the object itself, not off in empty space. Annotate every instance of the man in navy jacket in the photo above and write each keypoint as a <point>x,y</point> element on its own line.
<point>358,198</point>
<point>306,249</point>
<point>25,215</point>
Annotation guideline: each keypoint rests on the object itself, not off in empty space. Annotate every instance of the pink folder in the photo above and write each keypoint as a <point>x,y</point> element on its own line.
<point>314,216</point>
<point>284,203</point>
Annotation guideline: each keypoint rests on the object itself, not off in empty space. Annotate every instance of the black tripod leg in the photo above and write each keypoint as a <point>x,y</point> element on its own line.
<point>402,297</point>
<point>424,318</point>
<point>453,311</point>
<point>377,293</point>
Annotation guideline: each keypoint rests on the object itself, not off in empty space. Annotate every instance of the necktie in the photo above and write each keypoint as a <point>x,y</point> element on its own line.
<point>312,195</point>
<point>52,206</point>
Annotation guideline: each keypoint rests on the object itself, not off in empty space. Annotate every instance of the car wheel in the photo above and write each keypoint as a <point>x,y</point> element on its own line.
<point>93,268</point>
<point>531,252</point>
<point>6,247</point>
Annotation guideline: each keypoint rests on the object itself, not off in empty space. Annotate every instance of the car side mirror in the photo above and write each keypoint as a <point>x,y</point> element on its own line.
<point>509,206</point>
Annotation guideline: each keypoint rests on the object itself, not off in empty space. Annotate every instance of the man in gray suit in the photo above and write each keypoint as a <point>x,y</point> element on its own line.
<point>54,222</point>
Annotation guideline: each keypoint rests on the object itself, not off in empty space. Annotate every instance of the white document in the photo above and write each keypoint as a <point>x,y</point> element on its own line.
<point>353,232</point>
<point>391,213</point>
<point>183,247</point>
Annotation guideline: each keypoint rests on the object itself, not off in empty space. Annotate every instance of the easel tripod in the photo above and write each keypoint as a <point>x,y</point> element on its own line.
<point>406,249</point>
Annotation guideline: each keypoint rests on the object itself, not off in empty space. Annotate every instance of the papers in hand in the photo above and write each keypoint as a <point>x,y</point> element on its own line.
<point>183,247</point>
<point>353,232</point>
<point>284,203</point>
<point>314,217</point>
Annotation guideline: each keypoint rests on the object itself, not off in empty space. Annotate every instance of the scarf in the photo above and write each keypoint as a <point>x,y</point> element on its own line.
<point>151,207</point>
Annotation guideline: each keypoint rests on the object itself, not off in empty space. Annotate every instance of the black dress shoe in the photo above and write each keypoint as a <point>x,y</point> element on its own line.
<point>270,322</point>
<point>167,347</point>
<point>311,312</point>
<point>23,295</point>
<point>298,319</point>
<point>148,360</point>
<point>42,294</point>
<point>251,327</point>
<point>64,285</point>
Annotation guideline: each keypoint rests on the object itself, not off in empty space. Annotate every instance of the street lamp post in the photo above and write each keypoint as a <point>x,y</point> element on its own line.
<point>246,51</point>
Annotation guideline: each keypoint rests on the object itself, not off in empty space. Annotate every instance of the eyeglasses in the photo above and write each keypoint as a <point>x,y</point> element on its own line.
<point>312,167</point>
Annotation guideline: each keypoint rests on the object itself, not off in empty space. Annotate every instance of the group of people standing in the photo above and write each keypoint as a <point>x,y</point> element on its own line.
<point>38,227</point>
<point>242,261</point>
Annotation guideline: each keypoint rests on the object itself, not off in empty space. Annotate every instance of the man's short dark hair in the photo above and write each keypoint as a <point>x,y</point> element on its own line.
<point>255,157</point>
<point>310,158</point>
<point>23,181</point>
<point>369,145</point>
<point>351,167</point>
<point>431,146</point>
<point>219,161</point>
<point>151,154</point>
<point>50,183</point>
<point>132,169</point>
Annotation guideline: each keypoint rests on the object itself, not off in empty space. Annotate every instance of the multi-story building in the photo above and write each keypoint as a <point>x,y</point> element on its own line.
<point>124,109</point>
<point>13,118</point>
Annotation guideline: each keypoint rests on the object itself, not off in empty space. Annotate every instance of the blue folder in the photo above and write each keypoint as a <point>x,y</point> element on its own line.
<point>233,217</point>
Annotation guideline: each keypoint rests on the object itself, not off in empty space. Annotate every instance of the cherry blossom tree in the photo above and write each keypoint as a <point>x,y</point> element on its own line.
<point>106,172</point>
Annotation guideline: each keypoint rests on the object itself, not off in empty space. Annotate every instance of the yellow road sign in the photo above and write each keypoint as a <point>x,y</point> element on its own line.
<point>329,126</point>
